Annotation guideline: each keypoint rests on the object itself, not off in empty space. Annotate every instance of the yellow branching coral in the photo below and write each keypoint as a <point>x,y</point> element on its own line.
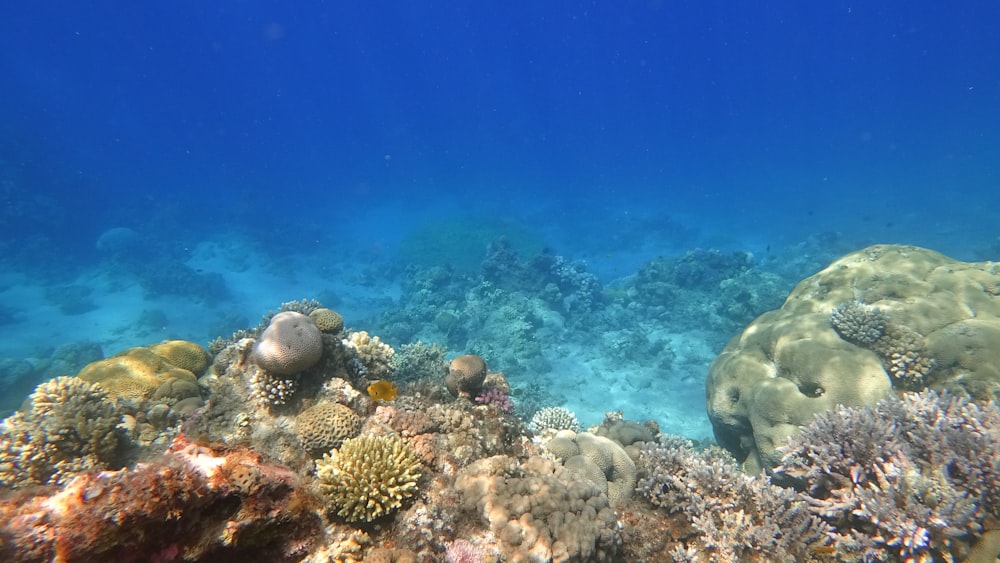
<point>368,477</point>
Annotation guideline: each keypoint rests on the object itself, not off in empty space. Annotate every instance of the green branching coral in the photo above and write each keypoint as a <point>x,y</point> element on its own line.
<point>368,477</point>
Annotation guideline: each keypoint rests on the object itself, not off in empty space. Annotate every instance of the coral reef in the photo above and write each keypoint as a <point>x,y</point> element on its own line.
<point>374,355</point>
<point>290,344</point>
<point>597,459</point>
<point>368,477</point>
<point>193,503</point>
<point>915,478</point>
<point>466,375</point>
<point>538,511</point>
<point>70,426</point>
<point>419,361</point>
<point>792,363</point>
<point>327,320</point>
<point>324,426</point>
<point>735,517</point>
<point>554,418</point>
<point>136,373</point>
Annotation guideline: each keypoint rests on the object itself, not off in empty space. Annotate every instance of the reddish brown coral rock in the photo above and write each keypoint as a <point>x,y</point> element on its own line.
<point>193,503</point>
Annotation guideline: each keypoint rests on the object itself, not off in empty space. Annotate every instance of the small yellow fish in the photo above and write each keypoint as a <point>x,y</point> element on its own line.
<point>383,390</point>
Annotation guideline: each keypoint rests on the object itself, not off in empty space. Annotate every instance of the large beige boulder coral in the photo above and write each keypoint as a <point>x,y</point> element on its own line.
<point>905,318</point>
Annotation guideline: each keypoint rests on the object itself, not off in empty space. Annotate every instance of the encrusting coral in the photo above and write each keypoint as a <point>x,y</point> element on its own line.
<point>538,511</point>
<point>368,477</point>
<point>193,503</point>
<point>601,460</point>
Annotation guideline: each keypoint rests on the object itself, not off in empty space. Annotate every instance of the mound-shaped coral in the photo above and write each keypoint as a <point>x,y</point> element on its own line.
<point>137,372</point>
<point>290,344</point>
<point>368,477</point>
<point>71,426</point>
<point>324,426</point>
<point>183,354</point>
<point>327,320</point>
<point>598,459</point>
<point>538,511</point>
<point>792,363</point>
<point>466,375</point>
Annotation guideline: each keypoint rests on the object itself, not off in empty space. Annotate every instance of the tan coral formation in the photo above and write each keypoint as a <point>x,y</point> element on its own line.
<point>324,426</point>
<point>791,363</point>
<point>466,375</point>
<point>598,459</point>
<point>137,372</point>
<point>327,320</point>
<point>538,511</point>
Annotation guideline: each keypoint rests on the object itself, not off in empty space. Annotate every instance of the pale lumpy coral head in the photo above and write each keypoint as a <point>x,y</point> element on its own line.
<point>290,344</point>
<point>883,317</point>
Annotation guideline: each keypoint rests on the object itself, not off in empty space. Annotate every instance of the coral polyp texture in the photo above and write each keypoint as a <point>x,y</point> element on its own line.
<point>191,504</point>
<point>537,511</point>
<point>368,477</point>
<point>324,426</point>
<point>882,317</point>
<point>290,344</point>
<point>910,479</point>
<point>136,373</point>
<point>327,320</point>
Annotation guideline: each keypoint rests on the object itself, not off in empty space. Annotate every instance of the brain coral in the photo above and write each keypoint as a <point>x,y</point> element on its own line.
<point>327,320</point>
<point>597,458</point>
<point>466,375</point>
<point>135,373</point>
<point>290,344</point>
<point>183,354</point>
<point>791,363</point>
<point>368,477</point>
<point>324,426</point>
<point>71,426</point>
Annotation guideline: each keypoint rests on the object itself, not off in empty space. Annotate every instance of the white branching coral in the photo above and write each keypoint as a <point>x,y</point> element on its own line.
<point>374,355</point>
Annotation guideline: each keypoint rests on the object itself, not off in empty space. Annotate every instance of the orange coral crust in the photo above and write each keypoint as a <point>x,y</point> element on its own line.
<point>192,502</point>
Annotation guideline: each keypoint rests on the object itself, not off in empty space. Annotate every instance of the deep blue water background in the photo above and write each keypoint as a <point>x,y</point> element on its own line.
<point>776,117</point>
<point>606,131</point>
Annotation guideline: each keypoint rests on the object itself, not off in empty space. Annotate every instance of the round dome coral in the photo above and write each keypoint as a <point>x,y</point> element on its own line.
<point>291,343</point>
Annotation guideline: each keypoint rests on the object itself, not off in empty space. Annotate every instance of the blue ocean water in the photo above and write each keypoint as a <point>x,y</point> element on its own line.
<point>176,170</point>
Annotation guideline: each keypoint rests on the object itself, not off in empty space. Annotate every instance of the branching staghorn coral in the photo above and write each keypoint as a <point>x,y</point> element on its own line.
<point>913,478</point>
